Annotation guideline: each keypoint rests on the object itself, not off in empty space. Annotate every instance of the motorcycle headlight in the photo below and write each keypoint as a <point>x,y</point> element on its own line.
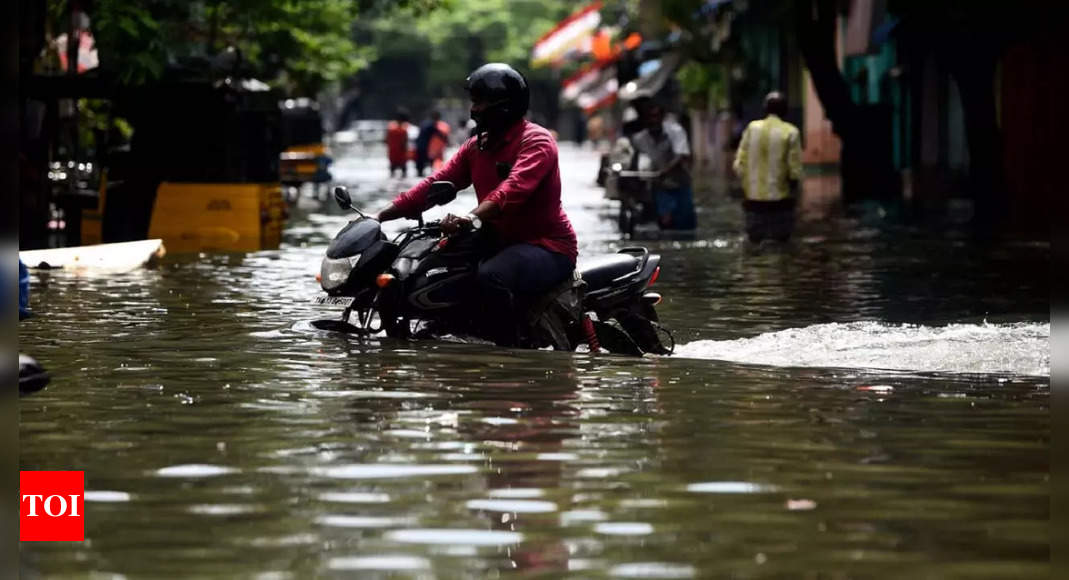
<point>334,273</point>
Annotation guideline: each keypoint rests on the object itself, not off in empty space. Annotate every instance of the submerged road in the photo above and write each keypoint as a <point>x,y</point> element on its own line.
<point>871,400</point>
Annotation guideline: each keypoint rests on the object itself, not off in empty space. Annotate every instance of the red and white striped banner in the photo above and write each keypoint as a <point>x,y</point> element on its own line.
<point>574,34</point>
<point>592,87</point>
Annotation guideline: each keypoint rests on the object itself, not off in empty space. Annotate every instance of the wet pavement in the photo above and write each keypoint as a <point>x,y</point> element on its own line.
<point>869,401</point>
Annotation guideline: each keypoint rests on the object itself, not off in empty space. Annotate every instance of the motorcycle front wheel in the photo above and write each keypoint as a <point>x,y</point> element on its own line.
<point>395,326</point>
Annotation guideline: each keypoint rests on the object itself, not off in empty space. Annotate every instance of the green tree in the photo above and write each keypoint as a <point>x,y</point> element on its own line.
<point>467,33</point>
<point>297,45</point>
<point>309,43</point>
<point>425,52</point>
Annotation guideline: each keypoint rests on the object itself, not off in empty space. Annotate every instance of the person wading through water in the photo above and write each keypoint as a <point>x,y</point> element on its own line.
<point>769,164</point>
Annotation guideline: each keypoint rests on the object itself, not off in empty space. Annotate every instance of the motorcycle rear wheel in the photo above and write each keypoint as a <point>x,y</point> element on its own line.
<point>641,323</point>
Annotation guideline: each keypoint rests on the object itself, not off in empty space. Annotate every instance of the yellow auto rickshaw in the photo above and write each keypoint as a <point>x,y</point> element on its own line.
<point>305,157</point>
<point>202,169</point>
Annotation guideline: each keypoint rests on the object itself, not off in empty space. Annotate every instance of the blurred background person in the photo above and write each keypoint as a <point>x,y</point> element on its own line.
<point>434,138</point>
<point>397,142</point>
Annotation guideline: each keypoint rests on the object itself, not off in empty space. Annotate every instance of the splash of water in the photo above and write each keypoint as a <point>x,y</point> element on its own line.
<point>1019,349</point>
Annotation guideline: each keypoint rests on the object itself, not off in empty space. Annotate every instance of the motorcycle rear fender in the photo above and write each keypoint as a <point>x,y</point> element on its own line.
<point>626,288</point>
<point>649,268</point>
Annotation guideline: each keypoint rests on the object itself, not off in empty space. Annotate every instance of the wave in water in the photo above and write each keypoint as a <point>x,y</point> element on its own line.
<point>1020,348</point>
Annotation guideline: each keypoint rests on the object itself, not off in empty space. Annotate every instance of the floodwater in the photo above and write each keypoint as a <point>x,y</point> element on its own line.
<point>870,401</point>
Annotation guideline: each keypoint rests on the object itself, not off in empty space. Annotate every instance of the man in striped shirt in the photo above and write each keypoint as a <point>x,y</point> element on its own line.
<point>769,163</point>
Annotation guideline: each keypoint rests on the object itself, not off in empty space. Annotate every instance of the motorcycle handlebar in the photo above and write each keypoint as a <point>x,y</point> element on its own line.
<point>638,174</point>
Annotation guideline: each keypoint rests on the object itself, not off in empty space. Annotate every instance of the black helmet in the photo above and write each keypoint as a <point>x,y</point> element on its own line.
<point>500,83</point>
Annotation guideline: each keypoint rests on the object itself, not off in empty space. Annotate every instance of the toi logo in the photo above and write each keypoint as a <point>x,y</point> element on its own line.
<point>51,506</point>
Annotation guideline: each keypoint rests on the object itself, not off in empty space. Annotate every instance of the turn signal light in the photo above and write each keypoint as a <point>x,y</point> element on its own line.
<point>653,278</point>
<point>384,280</point>
<point>319,277</point>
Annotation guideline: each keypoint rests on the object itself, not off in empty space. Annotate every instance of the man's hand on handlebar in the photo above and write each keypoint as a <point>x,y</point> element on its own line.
<point>387,214</point>
<point>451,224</point>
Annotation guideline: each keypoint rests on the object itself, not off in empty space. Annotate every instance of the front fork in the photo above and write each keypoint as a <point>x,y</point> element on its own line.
<point>365,314</point>
<point>386,304</point>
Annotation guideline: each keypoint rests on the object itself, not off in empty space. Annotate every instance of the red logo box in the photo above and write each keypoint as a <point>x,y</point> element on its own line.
<point>51,506</point>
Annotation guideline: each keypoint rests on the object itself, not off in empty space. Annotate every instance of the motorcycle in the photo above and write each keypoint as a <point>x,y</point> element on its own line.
<point>626,180</point>
<point>421,283</point>
<point>634,189</point>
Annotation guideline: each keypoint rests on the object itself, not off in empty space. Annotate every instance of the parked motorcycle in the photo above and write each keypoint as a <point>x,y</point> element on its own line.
<point>422,283</point>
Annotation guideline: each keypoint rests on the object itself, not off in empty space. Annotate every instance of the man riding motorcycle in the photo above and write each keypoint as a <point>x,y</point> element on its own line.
<point>531,245</point>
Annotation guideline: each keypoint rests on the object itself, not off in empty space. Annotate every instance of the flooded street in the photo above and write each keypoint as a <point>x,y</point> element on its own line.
<point>870,401</point>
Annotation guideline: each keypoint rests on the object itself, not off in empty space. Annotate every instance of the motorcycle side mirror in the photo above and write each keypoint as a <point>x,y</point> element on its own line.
<point>341,195</point>
<point>441,193</point>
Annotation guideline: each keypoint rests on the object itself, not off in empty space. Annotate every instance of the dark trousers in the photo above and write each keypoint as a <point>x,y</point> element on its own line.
<point>511,280</point>
<point>422,161</point>
<point>769,219</point>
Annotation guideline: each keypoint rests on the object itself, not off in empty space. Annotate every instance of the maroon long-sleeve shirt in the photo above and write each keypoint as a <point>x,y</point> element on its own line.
<point>529,196</point>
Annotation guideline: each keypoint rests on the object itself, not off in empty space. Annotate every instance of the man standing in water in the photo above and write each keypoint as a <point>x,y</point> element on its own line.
<point>769,164</point>
<point>512,163</point>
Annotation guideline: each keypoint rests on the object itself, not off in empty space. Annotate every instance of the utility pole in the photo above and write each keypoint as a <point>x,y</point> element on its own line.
<point>73,44</point>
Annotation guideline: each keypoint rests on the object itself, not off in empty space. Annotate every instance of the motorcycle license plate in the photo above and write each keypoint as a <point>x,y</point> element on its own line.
<point>343,301</point>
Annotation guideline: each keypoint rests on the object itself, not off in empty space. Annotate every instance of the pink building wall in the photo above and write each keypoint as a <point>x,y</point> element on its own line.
<point>821,144</point>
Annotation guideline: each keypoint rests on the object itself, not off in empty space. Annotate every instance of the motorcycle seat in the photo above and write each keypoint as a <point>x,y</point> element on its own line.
<point>601,271</point>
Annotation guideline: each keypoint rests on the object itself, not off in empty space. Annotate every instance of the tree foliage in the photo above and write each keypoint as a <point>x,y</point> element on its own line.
<point>459,34</point>
<point>302,46</point>
<point>703,84</point>
<point>298,45</point>
<point>721,65</point>
<point>308,42</point>
<point>425,55</point>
